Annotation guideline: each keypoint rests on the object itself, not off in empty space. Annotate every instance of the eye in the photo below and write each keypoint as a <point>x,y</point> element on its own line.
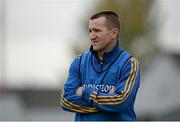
<point>96,30</point>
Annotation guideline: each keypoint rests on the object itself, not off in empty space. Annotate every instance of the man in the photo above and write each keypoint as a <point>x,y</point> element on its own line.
<point>104,80</point>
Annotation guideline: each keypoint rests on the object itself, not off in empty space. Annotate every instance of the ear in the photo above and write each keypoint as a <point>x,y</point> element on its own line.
<point>115,33</point>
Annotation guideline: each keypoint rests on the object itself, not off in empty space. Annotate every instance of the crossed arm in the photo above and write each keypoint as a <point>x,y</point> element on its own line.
<point>77,98</point>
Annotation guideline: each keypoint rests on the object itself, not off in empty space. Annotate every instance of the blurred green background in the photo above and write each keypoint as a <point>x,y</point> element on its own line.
<point>39,39</point>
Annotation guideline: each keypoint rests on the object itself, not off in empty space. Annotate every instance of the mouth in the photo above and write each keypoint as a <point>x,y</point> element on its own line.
<point>94,42</point>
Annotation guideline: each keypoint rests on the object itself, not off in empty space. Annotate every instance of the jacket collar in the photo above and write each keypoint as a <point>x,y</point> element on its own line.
<point>109,55</point>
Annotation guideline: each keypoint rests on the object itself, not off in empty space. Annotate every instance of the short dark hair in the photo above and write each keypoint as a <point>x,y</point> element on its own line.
<point>112,18</point>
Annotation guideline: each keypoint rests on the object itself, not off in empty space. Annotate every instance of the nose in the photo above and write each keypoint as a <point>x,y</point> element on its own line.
<point>92,36</point>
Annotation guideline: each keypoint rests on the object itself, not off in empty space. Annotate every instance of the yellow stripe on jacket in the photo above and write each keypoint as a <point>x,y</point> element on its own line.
<point>117,99</point>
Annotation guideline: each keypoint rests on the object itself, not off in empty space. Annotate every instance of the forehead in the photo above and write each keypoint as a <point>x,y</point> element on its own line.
<point>97,22</point>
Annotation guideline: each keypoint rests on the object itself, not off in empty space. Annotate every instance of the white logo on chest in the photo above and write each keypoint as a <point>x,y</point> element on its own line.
<point>101,87</point>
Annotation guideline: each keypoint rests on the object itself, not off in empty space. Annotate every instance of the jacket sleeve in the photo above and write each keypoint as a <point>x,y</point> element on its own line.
<point>69,100</point>
<point>124,94</point>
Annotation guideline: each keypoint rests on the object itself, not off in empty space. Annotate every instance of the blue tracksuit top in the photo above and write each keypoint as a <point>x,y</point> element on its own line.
<point>119,70</point>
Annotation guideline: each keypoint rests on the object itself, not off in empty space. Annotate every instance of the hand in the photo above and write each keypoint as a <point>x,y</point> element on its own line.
<point>112,90</point>
<point>79,91</point>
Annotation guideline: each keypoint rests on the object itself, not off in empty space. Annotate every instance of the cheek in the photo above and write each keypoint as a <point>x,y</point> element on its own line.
<point>106,38</point>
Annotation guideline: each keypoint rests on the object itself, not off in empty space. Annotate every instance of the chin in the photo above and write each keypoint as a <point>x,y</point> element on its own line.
<point>95,49</point>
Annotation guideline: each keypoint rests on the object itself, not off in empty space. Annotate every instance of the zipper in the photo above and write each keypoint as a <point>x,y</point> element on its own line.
<point>101,63</point>
<point>101,66</point>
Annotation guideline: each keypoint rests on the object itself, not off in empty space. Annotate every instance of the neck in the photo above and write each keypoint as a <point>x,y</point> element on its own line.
<point>101,53</point>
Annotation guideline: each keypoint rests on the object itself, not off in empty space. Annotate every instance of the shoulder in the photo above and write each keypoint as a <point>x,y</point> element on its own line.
<point>131,63</point>
<point>128,56</point>
<point>77,59</point>
<point>128,59</point>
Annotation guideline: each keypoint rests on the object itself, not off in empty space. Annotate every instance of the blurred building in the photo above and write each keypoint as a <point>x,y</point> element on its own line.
<point>158,97</point>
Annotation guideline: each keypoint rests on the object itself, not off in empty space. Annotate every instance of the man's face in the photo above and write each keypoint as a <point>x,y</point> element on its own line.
<point>100,36</point>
